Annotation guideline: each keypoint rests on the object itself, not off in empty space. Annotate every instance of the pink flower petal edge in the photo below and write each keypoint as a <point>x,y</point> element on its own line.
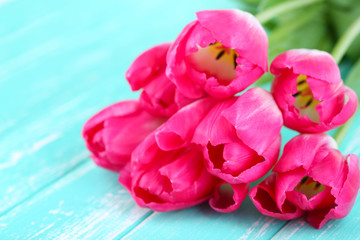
<point>331,103</point>
<point>179,129</point>
<point>228,197</point>
<point>263,197</point>
<point>113,133</point>
<point>235,30</point>
<point>169,180</point>
<point>313,176</point>
<point>159,96</point>
<point>228,136</point>
<point>310,62</point>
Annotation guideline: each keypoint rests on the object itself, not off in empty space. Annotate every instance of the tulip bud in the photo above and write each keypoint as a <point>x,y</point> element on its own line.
<point>112,134</point>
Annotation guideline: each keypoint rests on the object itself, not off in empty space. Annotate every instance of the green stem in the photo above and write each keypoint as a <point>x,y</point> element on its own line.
<point>270,13</point>
<point>345,41</point>
<point>338,53</point>
<point>342,131</point>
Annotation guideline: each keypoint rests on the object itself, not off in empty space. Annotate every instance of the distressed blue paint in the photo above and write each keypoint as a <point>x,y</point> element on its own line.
<point>62,61</point>
<point>59,64</point>
<point>202,222</point>
<point>87,202</point>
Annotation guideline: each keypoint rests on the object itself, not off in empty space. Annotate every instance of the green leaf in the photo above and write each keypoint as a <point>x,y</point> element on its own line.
<point>266,78</point>
<point>353,79</point>
<point>265,4</point>
<point>305,30</point>
<point>341,16</point>
<point>301,29</point>
<point>252,2</point>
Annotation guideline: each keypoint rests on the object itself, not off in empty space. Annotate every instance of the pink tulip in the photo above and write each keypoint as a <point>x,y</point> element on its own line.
<point>147,72</point>
<point>309,91</point>
<point>228,197</point>
<point>221,53</point>
<point>240,137</point>
<point>113,133</point>
<point>168,172</point>
<point>169,180</point>
<point>263,197</point>
<point>312,176</point>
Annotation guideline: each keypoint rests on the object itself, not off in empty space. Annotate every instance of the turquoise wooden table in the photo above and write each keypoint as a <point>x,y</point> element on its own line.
<point>60,63</point>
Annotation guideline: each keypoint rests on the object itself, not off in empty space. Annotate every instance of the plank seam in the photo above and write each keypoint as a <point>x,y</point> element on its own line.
<point>287,222</point>
<point>46,186</point>
<point>129,229</point>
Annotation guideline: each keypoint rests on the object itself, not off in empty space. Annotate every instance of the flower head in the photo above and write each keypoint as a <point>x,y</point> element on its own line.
<point>147,72</point>
<point>168,172</point>
<point>112,134</point>
<point>240,136</point>
<point>311,176</point>
<point>220,54</point>
<point>309,91</point>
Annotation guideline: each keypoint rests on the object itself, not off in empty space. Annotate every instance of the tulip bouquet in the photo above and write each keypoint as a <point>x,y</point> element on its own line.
<point>191,137</point>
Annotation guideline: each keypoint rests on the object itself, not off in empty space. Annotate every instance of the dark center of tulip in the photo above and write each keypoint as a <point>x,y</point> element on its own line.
<point>309,187</point>
<point>305,101</point>
<point>226,193</point>
<point>217,61</point>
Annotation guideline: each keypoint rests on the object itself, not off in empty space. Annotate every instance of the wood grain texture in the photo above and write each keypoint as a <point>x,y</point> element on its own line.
<point>202,222</point>
<point>87,203</point>
<point>61,62</point>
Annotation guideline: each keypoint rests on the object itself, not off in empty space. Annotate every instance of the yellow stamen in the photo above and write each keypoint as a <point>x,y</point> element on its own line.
<point>305,101</point>
<point>309,187</point>
<point>217,61</point>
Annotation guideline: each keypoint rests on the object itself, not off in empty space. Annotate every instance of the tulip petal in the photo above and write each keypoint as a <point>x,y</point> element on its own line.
<point>317,103</point>
<point>320,170</point>
<point>239,32</point>
<point>160,101</point>
<point>234,28</point>
<point>264,163</point>
<point>251,115</point>
<point>263,197</point>
<point>345,199</point>
<point>350,189</point>
<point>179,129</point>
<point>315,177</point>
<point>147,66</point>
<point>125,176</point>
<point>118,109</point>
<point>147,72</point>
<point>214,128</point>
<point>112,145</point>
<point>349,108</point>
<point>176,68</point>
<point>228,135</point>
<point>286,182</point>
<point>231,162</point>
<point>314,63</point>
<point>227,198</point>
<point>169,180</point>
<point>300,151</point>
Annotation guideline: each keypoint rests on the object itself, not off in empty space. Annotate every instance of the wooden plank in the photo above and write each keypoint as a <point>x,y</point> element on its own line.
<point>51,88</point>
<point>202,222</point>
<point>88,203</point>
<point>59,64</point>
<point>346,228</point>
